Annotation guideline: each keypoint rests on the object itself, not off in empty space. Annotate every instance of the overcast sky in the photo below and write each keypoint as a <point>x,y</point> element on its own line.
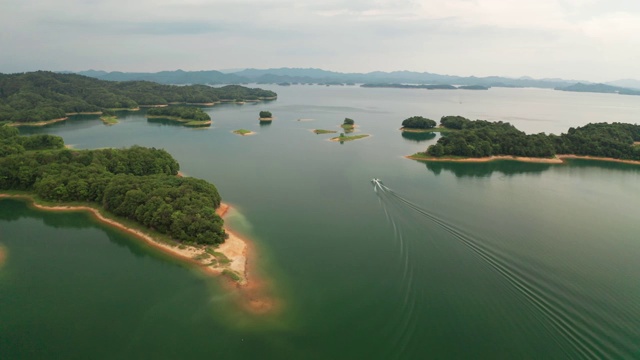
<point>596,40</point>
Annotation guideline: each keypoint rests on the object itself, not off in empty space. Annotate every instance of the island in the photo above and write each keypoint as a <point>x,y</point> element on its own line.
<point>418,124</point>
<point>342,138</point>
<point>109,117</point>
<point>481,140</point>
<point>426,86</point>
<point>187,115</point>
<point>138,190</point>
<point>322,131</point>
<point>243,132</point>
<point>348,125</point>
<point>265,116</point>
<point>599,88</point>
<point>43,97</point>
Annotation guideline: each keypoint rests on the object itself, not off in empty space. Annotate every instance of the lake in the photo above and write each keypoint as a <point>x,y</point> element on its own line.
<point>442,260</point>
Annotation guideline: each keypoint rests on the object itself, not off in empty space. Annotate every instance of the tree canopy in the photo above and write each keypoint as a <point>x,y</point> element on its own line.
<point>482,138</point>
<point>42,95</point>
<point>419,122</point>
<point>181,112</point>
<point>137,183</point>
<point>265,114</point>
<point>348,121</point>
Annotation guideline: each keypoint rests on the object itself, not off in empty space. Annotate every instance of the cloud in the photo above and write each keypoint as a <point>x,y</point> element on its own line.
<point>555,38</point>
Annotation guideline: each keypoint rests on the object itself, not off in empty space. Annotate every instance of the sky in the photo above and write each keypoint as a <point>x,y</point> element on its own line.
<point>593,40</point>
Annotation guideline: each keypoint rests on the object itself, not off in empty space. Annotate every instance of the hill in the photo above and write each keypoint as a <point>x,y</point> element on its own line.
<point>42,96</point>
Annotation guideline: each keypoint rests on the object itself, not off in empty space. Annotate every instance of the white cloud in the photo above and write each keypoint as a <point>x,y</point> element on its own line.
<point>590,39</point>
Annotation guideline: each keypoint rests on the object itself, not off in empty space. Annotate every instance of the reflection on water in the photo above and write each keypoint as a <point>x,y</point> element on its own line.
<point>16,209</point>
<point>486,169</point>
<point>418,136</point>
<point>509,167</point>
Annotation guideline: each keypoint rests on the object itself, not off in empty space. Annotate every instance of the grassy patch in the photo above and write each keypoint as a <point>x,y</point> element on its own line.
<point>348,128</point>
<point>202,256</point>
<point>220,257</point>
<point>349,138</point>
<point>322,131</point>
<point>109,120</point>
<point>231,274</point>
<point>242,132</point>
<point>195,123</point>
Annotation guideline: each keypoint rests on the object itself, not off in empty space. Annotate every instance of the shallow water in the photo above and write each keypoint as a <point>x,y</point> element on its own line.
<point>447,260</point>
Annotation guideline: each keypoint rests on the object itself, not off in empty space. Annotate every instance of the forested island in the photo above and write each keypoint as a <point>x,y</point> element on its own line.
<point>265,116</point>
<point>426,86</point>
<point>187,115</point>
<point>42,96</point>
<point>599,88</point>
<point>484,139</point>
<point>348,125</point>
<point>137,183</point>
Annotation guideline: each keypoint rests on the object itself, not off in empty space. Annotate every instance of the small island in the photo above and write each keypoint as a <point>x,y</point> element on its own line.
<point>481,140</point>
<point>187,115</point>
<point>348,125</point>
<point>342,138</point>
<point>109,117</point>
<point>322,131</point>
<point>243,132</point>
<point>265,116</point>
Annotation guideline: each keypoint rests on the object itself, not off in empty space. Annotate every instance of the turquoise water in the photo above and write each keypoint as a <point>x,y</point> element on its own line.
<point>499,260</point>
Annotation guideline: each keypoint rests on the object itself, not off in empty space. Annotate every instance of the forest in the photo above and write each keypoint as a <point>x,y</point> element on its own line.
<point>180,112</point>
<point>136,183</point>
<point>42,95</point>
<point>482,138</point>
<point>418,122</point>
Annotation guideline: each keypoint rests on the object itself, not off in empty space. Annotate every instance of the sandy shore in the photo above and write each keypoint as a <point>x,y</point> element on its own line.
<point>39,123</point>
<point>570,156</point>
<point>3,255</point>
<point>245,134</point>
<point>253,292</point>
<point>266,119</point>
<point>234,247</point>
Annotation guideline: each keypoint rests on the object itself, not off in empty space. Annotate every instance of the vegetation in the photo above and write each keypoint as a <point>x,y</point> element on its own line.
<point>41,96</point>
<point>418,122</point>
<point>265,115</point>
<point>242,132</point>
<point>109,120</point>
<point>342,138</point>
<point>181,113</point>
<point>137,183</point>
<point>599,88</point>
<point>482,138</point>
<point>321,131</point>
<point>348,125</point>
<point>427,86</point>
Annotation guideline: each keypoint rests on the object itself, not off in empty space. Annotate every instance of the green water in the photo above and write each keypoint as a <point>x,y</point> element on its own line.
<point>494,260</point>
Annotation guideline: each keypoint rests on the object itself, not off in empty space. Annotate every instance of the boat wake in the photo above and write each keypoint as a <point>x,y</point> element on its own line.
<point>583,332</point>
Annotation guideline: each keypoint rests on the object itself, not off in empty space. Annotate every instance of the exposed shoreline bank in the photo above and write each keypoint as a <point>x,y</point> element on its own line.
<point>228,259</point>
<point>559,159</point>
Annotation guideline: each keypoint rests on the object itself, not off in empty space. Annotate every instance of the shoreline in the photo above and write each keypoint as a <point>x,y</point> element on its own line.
<point>235,249</point>
<point>40,123</point>
<point>558,159</point>
<point>266,119</point>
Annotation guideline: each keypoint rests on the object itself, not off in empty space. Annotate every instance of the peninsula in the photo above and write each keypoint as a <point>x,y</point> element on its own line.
<point>135,189</point>
<point>481,140</point>
<point>42,97</point>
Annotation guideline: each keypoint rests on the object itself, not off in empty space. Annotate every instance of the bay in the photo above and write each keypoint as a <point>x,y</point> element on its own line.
<point>501,259</point>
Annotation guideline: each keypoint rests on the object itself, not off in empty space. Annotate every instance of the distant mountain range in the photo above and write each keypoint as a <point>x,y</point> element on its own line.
<point>319,76</point>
